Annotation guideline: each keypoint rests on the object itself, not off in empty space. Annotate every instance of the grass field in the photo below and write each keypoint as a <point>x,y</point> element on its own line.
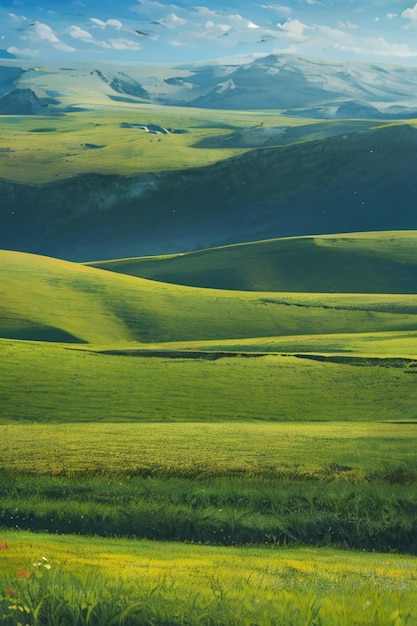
<point>351,485</point>
<point>191,450</point>
<point>160,583</point>
<point>125,332</point>
<point>225,437</point>
<point>45,383</point>
<point>135,410</point>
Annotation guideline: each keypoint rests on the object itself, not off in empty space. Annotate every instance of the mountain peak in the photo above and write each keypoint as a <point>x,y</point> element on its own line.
<point>22,102</point>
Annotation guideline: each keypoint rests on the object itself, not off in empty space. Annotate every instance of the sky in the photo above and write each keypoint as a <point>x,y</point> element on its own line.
<point>132,31</point>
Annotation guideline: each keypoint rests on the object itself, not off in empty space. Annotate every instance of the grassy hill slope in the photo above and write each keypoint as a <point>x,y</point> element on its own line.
<point>361,181</point>
<point>102,307</point>
<point>132,368</point>
<point>378,262</point>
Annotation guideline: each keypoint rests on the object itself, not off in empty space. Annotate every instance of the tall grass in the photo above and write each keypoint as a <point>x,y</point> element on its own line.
<point>239,588</point>
<point>223,511</point>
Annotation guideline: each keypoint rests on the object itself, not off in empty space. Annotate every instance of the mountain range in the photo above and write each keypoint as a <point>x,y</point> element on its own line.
<point>277,81</point>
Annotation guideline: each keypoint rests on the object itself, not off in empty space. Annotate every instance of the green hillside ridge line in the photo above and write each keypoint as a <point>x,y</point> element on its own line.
<point>103,307</point>
<point>372,262</point>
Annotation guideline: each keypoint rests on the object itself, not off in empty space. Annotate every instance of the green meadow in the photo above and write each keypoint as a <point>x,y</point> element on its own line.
<point>97,139</point>
<point>59,383</point>
<point>41,149</point>
<point>189,440</point>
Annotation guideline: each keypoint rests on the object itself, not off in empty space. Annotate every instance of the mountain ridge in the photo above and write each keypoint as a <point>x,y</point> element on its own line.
<point>275,81</point>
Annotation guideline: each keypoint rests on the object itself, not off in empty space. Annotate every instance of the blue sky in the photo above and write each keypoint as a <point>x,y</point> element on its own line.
<point>130,31</point>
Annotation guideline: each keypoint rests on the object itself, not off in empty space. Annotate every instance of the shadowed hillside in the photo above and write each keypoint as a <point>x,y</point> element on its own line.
<point>361,181</point>
<point>384,262</point>
<point>22,102</point>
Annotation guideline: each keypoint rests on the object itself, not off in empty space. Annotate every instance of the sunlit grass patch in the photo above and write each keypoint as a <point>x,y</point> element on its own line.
<point>108,308</point>
<point>63,152</point>
<point>192,450</point>
<point>160,583</point>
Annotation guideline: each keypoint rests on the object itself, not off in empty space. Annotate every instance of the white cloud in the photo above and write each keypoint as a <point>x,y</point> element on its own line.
<point>42,33</point>
<point>153,9</point>
<point>78,33</point>
<point>115,23</point>
<point>171,20</point>
<point>294,28</point>
<point>151,3</point>
<point>123,44</point>
<point>206,11</point>
<point>379,46</point>
<point>241,22</point>
<point>98,22</point>
<point>63,46</point>
<point>177,44</point>
<point>391,16</point>
<point>22,52</point>
<point>316,39</point>
<point>349,25</point>
<point>277,7</point>
<point>410,14</point>
<point>216,30</point>
<point>361,46</point>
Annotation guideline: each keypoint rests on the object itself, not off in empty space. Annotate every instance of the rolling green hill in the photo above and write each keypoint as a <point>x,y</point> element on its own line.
<point>378,262</point>
<point>157,351</point>
<point>40,294</point>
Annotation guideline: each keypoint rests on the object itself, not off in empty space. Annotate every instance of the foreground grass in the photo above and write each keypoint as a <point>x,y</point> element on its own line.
<point>93,580</point>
